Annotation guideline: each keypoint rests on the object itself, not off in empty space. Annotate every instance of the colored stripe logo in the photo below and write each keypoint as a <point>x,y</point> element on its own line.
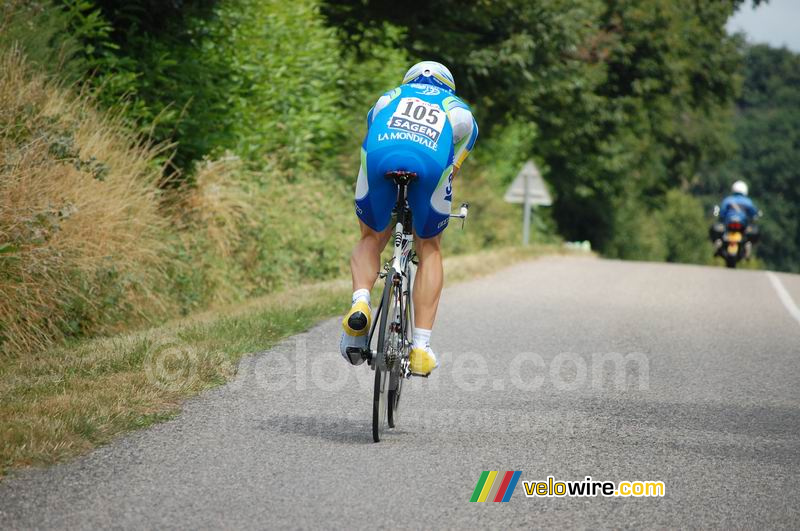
<point>495,486</point>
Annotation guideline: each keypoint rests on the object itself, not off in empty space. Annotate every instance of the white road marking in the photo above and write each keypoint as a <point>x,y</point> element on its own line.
<point>784,296</point>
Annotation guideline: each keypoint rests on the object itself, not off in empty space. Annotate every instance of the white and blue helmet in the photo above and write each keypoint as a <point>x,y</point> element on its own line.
<point>431,73</point>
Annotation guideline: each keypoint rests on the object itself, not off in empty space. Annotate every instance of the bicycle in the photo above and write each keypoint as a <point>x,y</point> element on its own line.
<point>394,320</point>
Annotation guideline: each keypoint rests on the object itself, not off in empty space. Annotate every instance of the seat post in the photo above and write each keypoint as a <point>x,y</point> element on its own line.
<point>402,179</point>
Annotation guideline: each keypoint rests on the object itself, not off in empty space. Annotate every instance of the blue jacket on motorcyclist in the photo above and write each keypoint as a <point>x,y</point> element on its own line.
<point>737,206</point>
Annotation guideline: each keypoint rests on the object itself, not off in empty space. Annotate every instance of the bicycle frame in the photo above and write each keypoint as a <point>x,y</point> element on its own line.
<point>401,271</point>
<point>403,248</point>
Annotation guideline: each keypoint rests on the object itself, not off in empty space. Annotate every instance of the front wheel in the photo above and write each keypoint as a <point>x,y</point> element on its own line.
<point>730,262</point>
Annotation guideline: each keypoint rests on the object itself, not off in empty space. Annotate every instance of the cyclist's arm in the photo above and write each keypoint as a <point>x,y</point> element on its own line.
<point>465,133</point>
<point>382,102</point>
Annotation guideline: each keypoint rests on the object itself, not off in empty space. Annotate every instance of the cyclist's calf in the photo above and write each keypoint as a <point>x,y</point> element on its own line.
<point>365,260</point>
<point>429,281</point>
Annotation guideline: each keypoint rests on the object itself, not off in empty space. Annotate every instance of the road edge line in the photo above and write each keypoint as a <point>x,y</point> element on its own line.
<point>784,296</point>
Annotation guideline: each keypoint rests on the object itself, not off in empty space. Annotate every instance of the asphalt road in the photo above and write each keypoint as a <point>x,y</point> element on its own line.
<point>708,402</point>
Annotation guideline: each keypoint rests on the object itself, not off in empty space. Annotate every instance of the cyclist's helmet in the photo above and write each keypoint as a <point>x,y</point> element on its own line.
<point>739,187</point>
<point>431,73</point>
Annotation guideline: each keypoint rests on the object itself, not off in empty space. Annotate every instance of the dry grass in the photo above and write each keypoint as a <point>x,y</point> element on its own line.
<point>209,218</point>
<point>65,401</point>
<point>218,204</point>
<point>80,230</point>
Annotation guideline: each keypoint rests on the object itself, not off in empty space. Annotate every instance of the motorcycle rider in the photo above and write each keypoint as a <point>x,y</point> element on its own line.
<point>737,207</point>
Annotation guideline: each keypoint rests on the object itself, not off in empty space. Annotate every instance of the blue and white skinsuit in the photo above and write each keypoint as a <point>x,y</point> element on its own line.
<point>422,129</point>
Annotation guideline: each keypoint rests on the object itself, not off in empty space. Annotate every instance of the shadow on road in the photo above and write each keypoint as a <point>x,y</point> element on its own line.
<point>340,430</point>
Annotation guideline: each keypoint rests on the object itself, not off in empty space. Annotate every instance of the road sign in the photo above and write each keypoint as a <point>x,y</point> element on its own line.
<point>529,189</point>
<point>537,189</point>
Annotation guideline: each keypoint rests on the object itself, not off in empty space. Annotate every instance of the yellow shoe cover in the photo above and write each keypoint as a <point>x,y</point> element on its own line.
<point>358,320</point>
<point>422,361</point>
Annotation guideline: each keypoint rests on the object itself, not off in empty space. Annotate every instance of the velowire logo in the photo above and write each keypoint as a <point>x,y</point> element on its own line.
<point>495,486</point>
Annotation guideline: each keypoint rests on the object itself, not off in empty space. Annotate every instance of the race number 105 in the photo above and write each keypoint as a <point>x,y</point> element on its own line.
<point>418,116</point>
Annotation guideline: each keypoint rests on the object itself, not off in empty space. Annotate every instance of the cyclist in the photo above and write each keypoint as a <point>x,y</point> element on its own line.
<point>422,127</point>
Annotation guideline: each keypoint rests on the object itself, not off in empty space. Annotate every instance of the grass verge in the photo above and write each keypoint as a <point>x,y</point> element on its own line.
<point>66,401</point>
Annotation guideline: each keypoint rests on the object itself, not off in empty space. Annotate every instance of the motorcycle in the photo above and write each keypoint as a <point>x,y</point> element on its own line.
<point>734,238</point>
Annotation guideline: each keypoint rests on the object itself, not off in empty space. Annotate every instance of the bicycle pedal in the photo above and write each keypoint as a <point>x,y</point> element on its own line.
<point>363,352</point>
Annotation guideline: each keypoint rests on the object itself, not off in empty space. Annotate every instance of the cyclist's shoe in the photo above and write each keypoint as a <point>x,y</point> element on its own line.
<point>422,361</point>
<point>356,322</point>
<point>356,331</point>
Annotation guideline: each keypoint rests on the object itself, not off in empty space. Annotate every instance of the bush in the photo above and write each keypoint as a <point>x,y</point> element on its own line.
<point>684,229</point>
<point>80,232</point>
<point>243,233</point>
<point>262,79</point>
<point>42,34</point>
<point>298,98</point>
<point>677,231</point>
<point>637,235</point>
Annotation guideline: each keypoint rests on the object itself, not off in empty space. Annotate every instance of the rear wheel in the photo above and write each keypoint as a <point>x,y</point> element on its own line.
<point>393,407</point>
<point>730,262</point>
<point>396,383</point>
<point>380,396</point>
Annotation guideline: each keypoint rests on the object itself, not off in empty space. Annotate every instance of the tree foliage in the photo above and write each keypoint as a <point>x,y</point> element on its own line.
<point>264,79</point>
<point>630,98</point>
<point>767,133</point>
<point>627,100</point>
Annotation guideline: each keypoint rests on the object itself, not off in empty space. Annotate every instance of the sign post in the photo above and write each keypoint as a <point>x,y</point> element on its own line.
<point>526,212</point>
<point>529,189</point>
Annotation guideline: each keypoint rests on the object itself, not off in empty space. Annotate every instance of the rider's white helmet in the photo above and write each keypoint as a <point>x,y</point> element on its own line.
<point>739,187</point>
<point>431,73</point>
